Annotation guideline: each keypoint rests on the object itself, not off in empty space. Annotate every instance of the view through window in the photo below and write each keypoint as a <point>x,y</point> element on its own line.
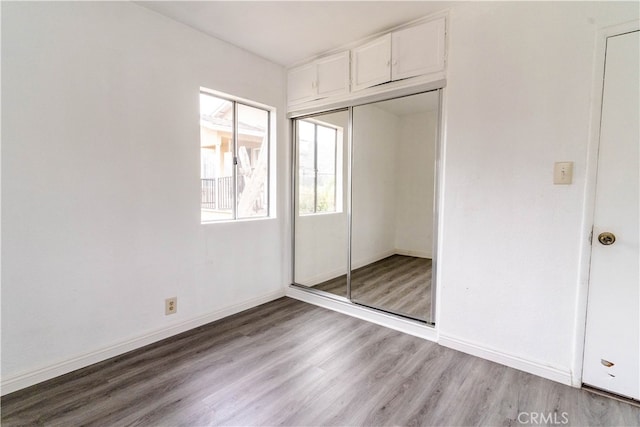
<point>234,159</point>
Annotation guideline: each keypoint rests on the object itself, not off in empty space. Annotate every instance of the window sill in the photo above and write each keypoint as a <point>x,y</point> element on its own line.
<point>235,221</point>
<point>311,215</point>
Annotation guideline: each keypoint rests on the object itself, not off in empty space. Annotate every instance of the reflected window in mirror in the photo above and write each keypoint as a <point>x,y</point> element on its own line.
<point>319,167</point>
<point>321,226</point>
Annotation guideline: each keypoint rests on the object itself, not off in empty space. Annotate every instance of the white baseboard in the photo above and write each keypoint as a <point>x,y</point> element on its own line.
<point>516,362</point>
<point>412,253</point>
<point>371,259</point>
<point>17,382</point>
<point>323,277</point>
<point>407,326</point>
<point>423,331</point>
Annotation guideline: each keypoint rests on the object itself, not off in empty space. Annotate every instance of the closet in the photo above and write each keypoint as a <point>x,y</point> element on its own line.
<point>365,204</point>
<point>365,149</point>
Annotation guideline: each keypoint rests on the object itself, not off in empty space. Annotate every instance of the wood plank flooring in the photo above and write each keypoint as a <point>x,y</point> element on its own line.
<point>401,284</point>
<point>294,364</point>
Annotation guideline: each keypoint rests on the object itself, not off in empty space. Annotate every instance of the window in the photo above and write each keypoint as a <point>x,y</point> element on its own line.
<point>319,167</point>
<point>234,159</point>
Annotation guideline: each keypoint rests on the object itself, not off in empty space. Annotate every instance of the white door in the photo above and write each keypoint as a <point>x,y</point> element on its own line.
<point>418,50</point>
<point>371,63</point>
<point>301,84</point>
<point>333,75</point>
<point>612,341</point>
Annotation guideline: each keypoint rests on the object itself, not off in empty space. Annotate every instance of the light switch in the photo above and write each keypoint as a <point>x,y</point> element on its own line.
<point>563,173</point>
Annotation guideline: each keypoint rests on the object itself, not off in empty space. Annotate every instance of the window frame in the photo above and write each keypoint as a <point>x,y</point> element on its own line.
<point>269,134</point>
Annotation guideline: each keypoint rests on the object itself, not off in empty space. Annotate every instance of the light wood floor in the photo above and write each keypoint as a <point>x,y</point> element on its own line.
<point>295,364</point>
<point>401,284</point>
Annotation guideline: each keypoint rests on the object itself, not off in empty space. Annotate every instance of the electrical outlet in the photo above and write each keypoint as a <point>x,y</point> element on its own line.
<point>170,305</point>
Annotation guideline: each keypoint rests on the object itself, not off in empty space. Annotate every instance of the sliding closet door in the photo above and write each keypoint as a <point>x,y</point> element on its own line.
<point>393,181</point>
<point>321,245</point>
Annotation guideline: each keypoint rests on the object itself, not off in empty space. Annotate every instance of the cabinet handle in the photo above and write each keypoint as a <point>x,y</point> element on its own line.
<point>388,62</point>
<point>395,62</point>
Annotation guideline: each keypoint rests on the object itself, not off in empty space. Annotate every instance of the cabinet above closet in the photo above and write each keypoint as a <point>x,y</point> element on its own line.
<point>401,54</point>
<point>410,55</point>
<point>327,76</point>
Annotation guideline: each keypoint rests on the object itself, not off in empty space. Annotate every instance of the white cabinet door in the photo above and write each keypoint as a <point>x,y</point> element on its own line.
<point>418,50</point>
<point>333,75</point>
<point>301,84</point>
<point>371,63</point>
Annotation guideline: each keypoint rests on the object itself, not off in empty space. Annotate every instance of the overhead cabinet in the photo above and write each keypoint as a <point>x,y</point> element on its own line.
<point>413,51</point>
<point>328,76</point>
<point>409,52</point>
<point>301,86</point>
<point>372,63</point>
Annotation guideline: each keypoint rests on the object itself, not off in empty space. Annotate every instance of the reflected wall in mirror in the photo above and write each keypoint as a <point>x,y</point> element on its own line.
<point>320,200</point>
<point>393,177</point>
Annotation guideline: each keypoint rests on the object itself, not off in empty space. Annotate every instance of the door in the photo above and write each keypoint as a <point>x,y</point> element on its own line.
<point>301,85</point>
<point>321,226</point>
<point>612,340</point>
<point>371,63</point>
<point>418,50</point>
<point>333,75</point>
<point>393,211</point>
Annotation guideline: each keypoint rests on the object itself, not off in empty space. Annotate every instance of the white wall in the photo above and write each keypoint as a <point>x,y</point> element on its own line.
<point>517,100</point>
<point>321,248</point>
<point>100,184</point>
<point>415,184</point>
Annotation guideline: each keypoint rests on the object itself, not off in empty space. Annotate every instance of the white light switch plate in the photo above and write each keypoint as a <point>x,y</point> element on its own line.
<point>563,173</point>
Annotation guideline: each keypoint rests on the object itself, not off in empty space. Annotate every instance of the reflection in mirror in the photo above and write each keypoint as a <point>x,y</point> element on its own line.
<point>321,228</point>
<point>393,202</point>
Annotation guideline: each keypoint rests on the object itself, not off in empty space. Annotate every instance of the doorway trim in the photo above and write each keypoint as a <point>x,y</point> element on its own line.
<point>589,198</point>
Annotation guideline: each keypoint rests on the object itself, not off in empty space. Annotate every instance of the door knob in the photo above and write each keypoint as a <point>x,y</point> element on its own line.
<point>607,238</point>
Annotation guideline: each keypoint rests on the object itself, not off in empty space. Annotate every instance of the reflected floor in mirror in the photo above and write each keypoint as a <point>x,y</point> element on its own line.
<point>400,284</point>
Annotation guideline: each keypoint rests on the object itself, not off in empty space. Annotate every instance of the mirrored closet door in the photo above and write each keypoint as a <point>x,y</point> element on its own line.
<point>321,241</point>
<point>364,210</point>
<point>393,172</point>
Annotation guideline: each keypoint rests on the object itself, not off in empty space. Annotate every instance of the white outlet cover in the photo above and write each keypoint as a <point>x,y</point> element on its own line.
<point>170,305</point>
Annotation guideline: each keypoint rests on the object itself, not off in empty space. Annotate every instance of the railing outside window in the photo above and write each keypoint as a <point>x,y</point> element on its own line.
<point>217,193</point>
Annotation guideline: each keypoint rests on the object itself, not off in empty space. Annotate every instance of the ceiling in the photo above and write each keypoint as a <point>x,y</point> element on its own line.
<point>287,32</point>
